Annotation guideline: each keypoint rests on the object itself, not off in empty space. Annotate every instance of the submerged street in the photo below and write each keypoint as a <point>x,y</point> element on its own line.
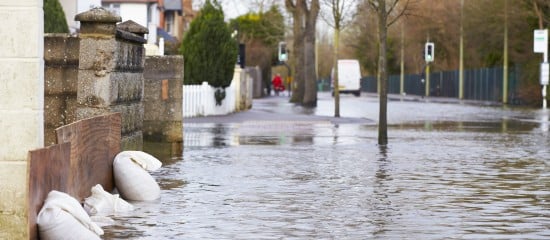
<point>278,171</point>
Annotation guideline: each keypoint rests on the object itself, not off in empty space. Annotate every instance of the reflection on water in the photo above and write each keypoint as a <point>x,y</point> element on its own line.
<point>486,179</point>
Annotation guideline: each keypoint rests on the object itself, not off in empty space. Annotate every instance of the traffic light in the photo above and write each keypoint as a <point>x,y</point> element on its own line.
<point>283,53</point>
<point>429,52</point>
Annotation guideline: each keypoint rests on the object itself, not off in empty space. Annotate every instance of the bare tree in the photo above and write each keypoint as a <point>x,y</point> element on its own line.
<point>304,14</point>
<point>387,14</point>
<point>339,17</point>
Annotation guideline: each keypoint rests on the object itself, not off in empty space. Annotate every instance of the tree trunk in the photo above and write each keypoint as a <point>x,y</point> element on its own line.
<point>382,74</point>
<point>297,86</point>
<point>305,85</point>
<point>310,80</point>
<point>335,79</point>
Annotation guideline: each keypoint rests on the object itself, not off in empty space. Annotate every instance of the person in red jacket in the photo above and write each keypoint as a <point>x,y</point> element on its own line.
<point>277,84</point>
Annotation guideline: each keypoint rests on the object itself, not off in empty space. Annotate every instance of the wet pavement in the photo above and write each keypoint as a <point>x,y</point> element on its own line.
<point>278,171</point>
<point>277,108</point>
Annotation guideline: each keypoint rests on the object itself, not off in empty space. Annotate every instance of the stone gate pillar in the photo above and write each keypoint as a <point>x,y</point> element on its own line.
<point>110,72</point>
<point>21,107</point>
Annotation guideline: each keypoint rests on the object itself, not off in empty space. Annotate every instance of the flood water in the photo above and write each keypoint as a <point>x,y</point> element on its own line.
<point>449,172</point>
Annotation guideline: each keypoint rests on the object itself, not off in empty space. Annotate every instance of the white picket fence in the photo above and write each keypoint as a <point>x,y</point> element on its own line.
<point>198,100</point>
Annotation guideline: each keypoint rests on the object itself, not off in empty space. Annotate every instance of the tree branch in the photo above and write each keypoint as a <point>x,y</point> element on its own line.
<point>392,7</point>
<point>402,13</point>
<point>373,5</point>
<point>289,4</point>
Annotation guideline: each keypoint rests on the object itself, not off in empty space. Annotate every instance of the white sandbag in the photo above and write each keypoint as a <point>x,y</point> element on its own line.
<point>145,160</point>
<point>131,178</point>
<point>62,217</point>
<point>58,224</point>
<point>104,203</point>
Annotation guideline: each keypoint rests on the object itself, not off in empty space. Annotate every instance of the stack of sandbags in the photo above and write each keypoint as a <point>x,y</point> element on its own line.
<point>132,178</point>
<point>62,217</point>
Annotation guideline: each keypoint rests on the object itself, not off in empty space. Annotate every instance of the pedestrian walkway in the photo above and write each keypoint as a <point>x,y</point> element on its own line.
<point>277,109</point>
<point>417,98</point>
<point>364,109</point>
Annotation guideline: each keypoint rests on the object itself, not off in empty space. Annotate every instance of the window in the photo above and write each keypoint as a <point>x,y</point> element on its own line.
<point>170,22</point>
<point>112,7</point>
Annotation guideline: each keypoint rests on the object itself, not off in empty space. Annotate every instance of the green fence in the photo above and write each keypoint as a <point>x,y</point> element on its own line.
<point>479,84</point>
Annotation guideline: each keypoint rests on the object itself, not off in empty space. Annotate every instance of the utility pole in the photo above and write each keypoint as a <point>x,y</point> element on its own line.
<point>461,62</point>
<point>402,77</point>
<point>427,93</point>
<point>540,45</point>
<point>505,64</point>
<point>429,53</point>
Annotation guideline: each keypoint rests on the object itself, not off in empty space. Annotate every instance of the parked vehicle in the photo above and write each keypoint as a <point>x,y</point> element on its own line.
<point>349,77</point>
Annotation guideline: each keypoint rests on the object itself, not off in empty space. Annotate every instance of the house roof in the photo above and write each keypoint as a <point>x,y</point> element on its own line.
<point>172,5</point>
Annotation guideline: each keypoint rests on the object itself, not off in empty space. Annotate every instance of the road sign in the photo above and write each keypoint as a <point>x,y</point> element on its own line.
<point>544,73</point>
<point>540,41</point>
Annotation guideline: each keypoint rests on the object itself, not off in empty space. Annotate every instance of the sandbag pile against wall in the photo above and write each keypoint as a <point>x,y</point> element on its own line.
<point>131,177</point>
<point>62,217</point>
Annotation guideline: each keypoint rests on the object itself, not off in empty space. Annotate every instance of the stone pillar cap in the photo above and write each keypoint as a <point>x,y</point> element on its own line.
<point>133,27</point>
<point>98,14</point>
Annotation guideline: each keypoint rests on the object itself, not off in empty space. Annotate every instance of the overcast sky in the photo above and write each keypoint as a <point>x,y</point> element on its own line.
<point>235,8</point>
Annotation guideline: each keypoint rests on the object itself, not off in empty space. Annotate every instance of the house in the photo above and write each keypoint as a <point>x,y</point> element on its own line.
<point>166,19</point>
<point>72,7</point>
<point>143,12</point>
<point>170,17</point>
<point>175,16</point>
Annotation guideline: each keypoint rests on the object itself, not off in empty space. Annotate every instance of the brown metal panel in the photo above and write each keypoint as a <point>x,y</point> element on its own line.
<point>94,145</point>
<point>47,168</point>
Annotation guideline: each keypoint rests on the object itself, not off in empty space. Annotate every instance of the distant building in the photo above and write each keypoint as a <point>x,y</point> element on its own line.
<point>167,19</point>
<point>175,16</point>
<point>172,17</point>
<point>142,12</point>
<point>72,7</point>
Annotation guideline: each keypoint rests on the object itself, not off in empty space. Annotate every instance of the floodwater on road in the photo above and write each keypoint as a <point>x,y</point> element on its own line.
<point>450,171</point>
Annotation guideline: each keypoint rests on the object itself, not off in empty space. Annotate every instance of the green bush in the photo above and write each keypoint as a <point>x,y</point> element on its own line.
<point>210,53</point>
<point>54,17</point>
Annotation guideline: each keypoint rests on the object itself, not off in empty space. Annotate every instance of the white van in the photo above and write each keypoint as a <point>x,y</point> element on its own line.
<point>349,77</point>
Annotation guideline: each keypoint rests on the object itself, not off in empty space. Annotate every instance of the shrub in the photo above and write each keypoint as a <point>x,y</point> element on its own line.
<point>54,17</point>
<point>210,53</point>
